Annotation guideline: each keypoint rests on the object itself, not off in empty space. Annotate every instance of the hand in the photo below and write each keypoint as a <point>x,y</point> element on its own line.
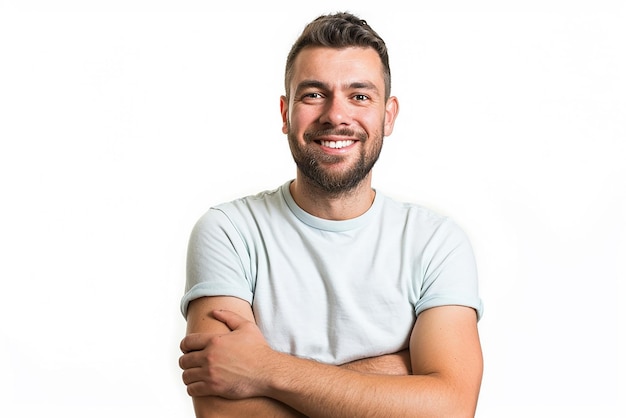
<point>229,365</point>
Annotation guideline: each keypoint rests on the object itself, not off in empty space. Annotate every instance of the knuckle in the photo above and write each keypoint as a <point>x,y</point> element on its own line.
<point>183,345</point>
<point>215,341</point>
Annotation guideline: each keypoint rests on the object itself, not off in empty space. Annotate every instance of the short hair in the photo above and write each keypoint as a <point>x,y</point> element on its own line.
<point>339,30</point>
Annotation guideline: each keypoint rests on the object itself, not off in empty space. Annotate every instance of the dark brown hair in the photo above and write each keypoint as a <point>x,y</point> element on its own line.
<point>340,30</point>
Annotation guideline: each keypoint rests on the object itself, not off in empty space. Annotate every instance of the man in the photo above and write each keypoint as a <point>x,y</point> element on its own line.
<point>324,298</point>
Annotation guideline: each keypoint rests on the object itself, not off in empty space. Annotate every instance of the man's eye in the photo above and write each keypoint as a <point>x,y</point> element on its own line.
<point>312,96</point>
<point>360,97</point>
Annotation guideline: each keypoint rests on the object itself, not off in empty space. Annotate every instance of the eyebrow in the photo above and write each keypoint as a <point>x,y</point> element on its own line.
<point>360,85</point>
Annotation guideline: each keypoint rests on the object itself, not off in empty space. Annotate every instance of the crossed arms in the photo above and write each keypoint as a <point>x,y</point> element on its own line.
<point>230,370</point>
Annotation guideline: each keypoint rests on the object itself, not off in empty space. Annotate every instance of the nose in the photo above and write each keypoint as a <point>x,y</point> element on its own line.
<point>336,112</point>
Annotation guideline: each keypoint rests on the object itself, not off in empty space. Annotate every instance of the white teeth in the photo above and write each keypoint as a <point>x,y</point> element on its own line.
<point>337,144</point>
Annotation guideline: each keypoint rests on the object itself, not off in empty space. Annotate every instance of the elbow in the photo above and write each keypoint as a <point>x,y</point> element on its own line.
<point>463,406</point>
<point>456,408</point>
<point>459,400</point>
<point>468,412</point>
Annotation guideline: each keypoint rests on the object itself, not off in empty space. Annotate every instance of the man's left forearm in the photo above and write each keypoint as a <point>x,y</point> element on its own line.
<point>389,364</point>
<point>319,390</point>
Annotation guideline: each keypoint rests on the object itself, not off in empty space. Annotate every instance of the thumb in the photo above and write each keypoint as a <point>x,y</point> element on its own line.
<point>231,319</point>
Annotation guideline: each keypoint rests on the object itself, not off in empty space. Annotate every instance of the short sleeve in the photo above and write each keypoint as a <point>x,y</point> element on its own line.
<point>449,274</point>
<point>216,261</point>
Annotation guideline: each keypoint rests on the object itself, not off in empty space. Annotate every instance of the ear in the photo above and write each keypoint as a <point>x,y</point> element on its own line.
<point>284,112</point>
<point>391,112</point>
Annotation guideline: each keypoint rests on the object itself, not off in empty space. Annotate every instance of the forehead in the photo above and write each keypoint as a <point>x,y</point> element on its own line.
<point>332,65</point>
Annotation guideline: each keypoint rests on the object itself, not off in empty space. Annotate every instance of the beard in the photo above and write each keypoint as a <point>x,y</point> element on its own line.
<point>311,161</point>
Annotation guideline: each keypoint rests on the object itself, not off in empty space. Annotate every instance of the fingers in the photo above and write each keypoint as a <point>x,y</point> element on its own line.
<point>212,362</point>
<point>195,342</point>
<point>194,379</point>
<point>191,375</point>
<point>231,319</point>
<point>198,375</point>
<point>190,360</point>
<point>198,341</point>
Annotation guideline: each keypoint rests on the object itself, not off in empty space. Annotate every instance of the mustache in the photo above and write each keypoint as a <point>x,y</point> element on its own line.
<point>313,134</point>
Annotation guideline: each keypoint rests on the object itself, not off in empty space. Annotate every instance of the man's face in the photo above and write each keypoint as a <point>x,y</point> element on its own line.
<point>336,116</point>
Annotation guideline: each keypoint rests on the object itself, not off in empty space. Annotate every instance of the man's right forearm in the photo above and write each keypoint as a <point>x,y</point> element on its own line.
<point>205,407</point>
<point>201,320</point>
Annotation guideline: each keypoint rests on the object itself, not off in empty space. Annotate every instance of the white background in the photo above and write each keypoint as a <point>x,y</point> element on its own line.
<point>122,122</point>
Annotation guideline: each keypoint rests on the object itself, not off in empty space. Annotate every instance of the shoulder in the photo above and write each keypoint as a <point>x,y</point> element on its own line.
<point>262,201</point>
<point>414,213</point>
<point>425,227</point>
<point>242,213</point>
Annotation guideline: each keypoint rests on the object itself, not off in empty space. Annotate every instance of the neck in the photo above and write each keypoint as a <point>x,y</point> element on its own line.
<point>338,207</point>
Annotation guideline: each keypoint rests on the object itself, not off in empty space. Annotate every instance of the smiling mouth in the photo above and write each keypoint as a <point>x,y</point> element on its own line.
<point>336,144</point>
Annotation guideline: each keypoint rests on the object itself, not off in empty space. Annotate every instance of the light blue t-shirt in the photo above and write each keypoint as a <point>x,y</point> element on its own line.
<point>332,291</point>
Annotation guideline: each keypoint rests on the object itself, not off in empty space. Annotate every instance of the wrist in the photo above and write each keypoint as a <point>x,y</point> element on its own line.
<point>276,371</point>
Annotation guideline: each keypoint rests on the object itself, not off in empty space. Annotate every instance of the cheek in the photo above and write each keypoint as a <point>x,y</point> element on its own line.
<point>373,122</point>
<point>299,120</point>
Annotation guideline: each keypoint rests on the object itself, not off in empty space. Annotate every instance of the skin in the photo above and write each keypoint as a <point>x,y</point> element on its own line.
<point>229,368</point>
<point>203,326</point>
<point>337,89</point>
